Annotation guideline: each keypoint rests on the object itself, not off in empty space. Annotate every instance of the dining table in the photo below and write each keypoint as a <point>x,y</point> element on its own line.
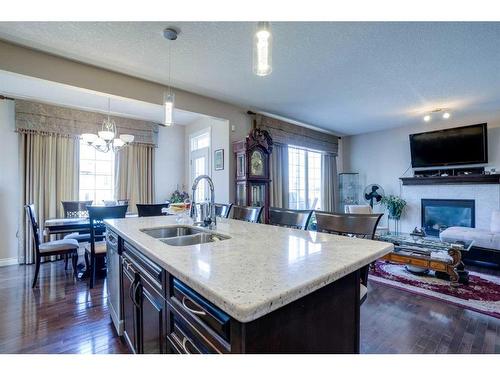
<point>67,225</point>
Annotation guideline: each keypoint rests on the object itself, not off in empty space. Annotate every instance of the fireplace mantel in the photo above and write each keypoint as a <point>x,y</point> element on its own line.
<point>453,180</point>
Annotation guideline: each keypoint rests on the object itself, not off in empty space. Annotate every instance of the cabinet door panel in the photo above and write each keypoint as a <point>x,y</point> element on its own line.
<point>129,310</point>
<point>152,321</point>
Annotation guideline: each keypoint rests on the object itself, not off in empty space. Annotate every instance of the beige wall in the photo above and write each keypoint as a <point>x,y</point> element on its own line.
<point>169,162</point>
<point>9,184</point>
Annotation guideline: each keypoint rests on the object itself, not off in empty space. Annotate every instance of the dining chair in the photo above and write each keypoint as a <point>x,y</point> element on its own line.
<point>96,248</point>
<point>151,209</point>
<point>246,213</point>
<point>76,209</point>
<point>222,210</point>
<point>364,209</point>
<point>358,209</point>
<point>68,247</point>
<point>297,219</point>
<point>354,225</point>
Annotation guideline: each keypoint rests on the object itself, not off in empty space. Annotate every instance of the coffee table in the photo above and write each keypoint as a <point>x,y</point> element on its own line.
<point>445,258</point>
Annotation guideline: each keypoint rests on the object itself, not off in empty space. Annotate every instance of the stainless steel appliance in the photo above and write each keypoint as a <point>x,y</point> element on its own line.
<point>113,281</point>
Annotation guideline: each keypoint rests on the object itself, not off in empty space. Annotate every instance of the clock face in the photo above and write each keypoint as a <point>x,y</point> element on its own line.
<point>257,163</point>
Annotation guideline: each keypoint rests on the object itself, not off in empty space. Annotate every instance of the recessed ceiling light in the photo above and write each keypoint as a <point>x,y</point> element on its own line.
<point>427,118</point>
<point>446,115</point>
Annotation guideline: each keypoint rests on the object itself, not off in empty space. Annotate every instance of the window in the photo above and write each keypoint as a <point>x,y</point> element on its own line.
<point>304,179</point>
<point>199,161</point>
<point>200,141</point>
<point>96,174</point>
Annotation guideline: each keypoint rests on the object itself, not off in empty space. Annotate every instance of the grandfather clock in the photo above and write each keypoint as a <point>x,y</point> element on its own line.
<point>252,170</point>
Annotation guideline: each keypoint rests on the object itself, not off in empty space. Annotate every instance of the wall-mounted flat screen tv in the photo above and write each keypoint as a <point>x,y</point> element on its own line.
<point>455,146</point>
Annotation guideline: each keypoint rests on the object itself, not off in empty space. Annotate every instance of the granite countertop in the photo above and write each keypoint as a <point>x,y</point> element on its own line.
<point>260,268</point>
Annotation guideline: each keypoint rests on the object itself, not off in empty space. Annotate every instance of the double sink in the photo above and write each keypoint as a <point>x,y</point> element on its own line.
<point>183,235</point>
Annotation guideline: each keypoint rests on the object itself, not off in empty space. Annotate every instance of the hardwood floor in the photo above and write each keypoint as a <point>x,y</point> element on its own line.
<point>59,316</point>
<point>395,321</point>
<point>63,316</point>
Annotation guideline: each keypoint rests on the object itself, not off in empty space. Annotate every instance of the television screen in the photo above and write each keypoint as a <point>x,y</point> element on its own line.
<point>464,145</point>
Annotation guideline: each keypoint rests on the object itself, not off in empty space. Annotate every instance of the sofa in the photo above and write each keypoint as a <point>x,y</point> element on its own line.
<point>486,246</point>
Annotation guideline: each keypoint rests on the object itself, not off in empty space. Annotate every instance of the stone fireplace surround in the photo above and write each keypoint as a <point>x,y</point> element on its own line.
<point>486,197</point>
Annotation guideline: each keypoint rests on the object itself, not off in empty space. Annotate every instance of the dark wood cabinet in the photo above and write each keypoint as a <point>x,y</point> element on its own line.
<point>164,315</point>
<point>129,307</point>
<point>143,304</point>
<point>151,320</point>
<point>253,170</point>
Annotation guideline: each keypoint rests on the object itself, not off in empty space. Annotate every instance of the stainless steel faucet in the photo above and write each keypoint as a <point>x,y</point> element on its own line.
<point>211,221</point>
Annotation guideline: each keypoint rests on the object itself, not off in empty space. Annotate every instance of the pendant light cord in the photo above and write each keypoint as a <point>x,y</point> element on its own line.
<point>109,107</point>
<point>170,67</point>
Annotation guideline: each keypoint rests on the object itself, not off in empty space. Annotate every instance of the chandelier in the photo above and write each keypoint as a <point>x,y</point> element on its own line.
<point>106,139</point>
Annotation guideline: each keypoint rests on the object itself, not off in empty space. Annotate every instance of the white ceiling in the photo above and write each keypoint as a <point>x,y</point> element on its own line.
<point>23,87</point>
<point>345,77</point>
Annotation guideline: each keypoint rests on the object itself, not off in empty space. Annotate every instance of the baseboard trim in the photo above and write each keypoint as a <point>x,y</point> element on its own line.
<point>8,262</point>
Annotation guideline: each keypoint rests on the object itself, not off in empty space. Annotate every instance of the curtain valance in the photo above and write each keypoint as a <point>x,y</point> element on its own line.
<point>40,117</point>
<point>289,134</point>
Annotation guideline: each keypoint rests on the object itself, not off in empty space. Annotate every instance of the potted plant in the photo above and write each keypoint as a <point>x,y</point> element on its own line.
<point>395,205</point>
<point>178,196</point>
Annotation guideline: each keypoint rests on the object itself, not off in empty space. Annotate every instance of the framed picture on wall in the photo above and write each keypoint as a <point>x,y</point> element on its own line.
<point>219,159</point>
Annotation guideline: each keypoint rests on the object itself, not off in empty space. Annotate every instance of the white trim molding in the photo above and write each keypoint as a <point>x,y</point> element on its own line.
<point>8,262</point>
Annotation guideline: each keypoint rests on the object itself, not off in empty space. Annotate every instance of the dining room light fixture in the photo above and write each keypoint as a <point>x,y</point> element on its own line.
<point>262,50</point>
<point>170,34</point>
<point>106,139</point>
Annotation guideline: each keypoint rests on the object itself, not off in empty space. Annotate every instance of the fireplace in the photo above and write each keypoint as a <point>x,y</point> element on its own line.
<point>439,214</point>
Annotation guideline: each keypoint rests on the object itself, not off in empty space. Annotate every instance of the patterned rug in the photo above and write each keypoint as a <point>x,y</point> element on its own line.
<point>482,294</point>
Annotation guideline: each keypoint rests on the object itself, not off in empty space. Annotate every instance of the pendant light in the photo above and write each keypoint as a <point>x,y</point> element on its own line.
<point>262,50</point>
<point>169,99</point>
<point>107,138</point>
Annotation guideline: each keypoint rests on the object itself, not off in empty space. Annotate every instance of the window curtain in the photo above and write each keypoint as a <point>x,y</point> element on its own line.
<point>328,182</point>
<point>49,165</point>
<point>134,167</point>
<point>41,117</point>
<point>279,176</point>
<point>287,133</point>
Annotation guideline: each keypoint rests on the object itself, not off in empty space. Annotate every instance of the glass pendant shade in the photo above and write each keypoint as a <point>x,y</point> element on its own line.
<point>106,135</point>
<point>89,137</point>
<point>262,50</point>
<point>127,138</point>
<point>169,109</point>
<point>117,143</point>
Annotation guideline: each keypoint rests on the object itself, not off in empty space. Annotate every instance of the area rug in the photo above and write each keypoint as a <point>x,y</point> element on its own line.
<point>482,294</point>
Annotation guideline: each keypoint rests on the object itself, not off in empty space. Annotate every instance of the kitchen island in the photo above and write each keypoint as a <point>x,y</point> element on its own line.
<point>254,289</point>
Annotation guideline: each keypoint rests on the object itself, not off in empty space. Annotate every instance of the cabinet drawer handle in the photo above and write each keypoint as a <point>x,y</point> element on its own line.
<point>126,263</point>
<point>197,312</point>
<point>137,286</point>
<point>131,292</point>
<point>185,340</point>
